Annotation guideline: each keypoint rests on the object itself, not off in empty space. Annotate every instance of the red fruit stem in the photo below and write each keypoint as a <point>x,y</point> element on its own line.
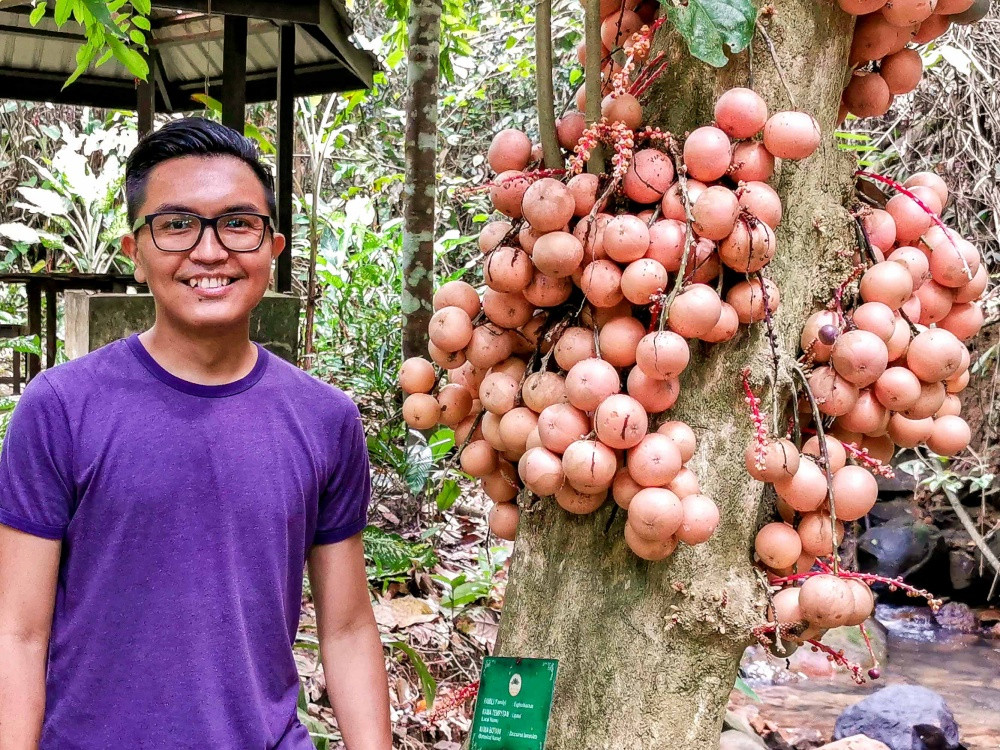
<point>869,578</point>
<point>824,454</point>
<point>759,428</point>
<point>837,657</point>
<point>868,645</point>
<point>866,459</point>
<point>681,172</point>
<point>838,296</point>
<point>772,338</point>
<point>649,79</point>
<point>646,71</point>
<point>909,194</point>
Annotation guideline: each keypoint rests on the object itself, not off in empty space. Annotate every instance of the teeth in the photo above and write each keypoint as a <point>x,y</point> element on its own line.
<point>209,282</point>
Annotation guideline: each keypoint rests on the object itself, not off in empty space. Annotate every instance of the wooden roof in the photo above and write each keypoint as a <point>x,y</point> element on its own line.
<point>186,54</point>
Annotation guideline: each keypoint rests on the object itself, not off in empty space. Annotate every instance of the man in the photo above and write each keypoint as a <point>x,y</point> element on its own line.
<point>160,496</point>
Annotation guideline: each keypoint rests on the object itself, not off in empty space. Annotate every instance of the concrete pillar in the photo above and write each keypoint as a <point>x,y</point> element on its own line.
<point>93,320</point>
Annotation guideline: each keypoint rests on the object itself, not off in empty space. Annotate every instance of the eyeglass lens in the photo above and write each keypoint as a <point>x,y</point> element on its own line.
<point>180,232</point>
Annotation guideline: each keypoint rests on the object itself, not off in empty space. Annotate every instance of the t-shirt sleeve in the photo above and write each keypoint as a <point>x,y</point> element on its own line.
<point>343,505</point>
<point>36,478</point>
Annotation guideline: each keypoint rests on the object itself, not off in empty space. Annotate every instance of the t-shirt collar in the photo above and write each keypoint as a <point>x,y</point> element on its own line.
<point>198,389</point>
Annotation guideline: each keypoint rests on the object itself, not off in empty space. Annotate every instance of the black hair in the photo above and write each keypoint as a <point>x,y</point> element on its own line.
<point>190,136</point>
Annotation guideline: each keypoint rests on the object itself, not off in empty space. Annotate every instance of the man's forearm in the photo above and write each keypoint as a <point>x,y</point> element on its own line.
<point>357,686</point>
<point>22,692</point>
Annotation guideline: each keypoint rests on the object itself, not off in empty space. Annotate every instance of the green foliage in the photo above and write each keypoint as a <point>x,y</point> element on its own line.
<point>390,555</point>
<point>317,729</point>
<point>110,27</point>
<point>73,201</point>
<point>472,586</point>
<point>428,685</point>
<point>249,129</point>
<point>711,26</point>
<point>744,688</point>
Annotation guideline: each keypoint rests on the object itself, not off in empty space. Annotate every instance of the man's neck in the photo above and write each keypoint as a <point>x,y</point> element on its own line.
<point>204,357</point>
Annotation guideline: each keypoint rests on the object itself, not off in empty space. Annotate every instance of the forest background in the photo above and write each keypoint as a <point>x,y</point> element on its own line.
<point>436,576</point>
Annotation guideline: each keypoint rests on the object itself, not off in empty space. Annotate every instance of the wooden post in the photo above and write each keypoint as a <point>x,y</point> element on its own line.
<point>234,72</point>
<point>34,290</point>
<point>146,101</point>
<point>50,323</point>
<point>286,150</point>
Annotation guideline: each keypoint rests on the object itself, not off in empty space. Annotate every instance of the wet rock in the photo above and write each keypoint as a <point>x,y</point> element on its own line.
<point>988,618</point>
<point>893,714</point>
<point>734,740</point>
<point>885,510</point>
<point>962,569</point>
<point>804,738</point>
<point>857,742</point>
<point>957,616</point>
<point>900,546</point>
<point>849,640</point>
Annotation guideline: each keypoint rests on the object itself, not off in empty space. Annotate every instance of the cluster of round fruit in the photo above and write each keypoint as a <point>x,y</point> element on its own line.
<point>890,370</point>
<point>882,65</point>
<point>884,374</point>
<point>575,342</point>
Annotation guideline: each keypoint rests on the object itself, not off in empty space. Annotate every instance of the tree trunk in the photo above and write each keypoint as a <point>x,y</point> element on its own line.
<point>424,27</point>
<point>648,652</point>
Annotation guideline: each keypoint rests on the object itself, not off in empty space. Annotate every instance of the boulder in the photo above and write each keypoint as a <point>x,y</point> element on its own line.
<point>856,742</point>
<point>899,715</point>
<point>957,616</point>
<point>899,547</point>
<point>734,740</point>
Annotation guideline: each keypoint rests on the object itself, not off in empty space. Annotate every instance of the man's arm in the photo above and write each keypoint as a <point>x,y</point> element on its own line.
<point>349,644</point>
<point>29,568</point>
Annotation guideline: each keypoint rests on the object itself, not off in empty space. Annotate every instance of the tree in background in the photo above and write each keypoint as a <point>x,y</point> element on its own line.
<point>420,144</point>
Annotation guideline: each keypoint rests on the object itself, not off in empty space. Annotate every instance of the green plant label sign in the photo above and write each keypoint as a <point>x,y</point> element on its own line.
<point>514,703</point>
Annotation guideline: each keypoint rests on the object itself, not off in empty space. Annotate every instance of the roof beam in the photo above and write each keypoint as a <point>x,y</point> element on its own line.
<point>299,11</point>
<point>260,27</point>
<point>34,31</point>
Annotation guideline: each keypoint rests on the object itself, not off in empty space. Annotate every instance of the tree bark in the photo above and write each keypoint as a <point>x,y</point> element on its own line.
<point>648,652</point>
<point>424,29</point>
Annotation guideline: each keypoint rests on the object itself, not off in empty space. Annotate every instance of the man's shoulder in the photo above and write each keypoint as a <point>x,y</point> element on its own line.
<point>82,373</point>
<point>307,389</point>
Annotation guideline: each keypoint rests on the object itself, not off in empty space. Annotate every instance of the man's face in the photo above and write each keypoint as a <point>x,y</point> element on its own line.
<point>226,285</point>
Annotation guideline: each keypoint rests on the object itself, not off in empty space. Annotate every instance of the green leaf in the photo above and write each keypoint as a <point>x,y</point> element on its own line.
<point>37,14</point>
<point>709,26</point>
<point>428,684</point>
<point>64,9</point>
<point>450,492</point>
<point>131,59</point>
<point>108,54</point>
<point>746,689</point>
<point>141,22</point>
<point>138,37</point>
<point>100,13</point>
<point>391,555</point>
<point>84,55</point>
<point>142,6</point>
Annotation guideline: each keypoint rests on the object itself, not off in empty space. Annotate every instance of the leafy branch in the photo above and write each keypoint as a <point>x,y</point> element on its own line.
<point>111,28</point>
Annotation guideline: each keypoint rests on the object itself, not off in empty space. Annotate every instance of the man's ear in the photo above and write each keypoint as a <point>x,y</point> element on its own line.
<point>277,245</point>
<point>131,251</point>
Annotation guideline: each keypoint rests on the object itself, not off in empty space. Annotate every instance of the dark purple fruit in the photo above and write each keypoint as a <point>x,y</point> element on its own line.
<point>828,334</point>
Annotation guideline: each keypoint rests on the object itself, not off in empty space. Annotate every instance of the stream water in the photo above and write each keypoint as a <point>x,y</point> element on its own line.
<point>964,669</point>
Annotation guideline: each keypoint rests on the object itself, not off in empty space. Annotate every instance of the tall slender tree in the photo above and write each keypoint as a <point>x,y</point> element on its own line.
<point>424,33</point>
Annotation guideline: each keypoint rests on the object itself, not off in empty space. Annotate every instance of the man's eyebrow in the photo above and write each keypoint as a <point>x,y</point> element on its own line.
<point>185,209</point>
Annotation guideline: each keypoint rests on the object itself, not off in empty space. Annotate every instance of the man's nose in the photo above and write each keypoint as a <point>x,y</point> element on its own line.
<point>209,250</point>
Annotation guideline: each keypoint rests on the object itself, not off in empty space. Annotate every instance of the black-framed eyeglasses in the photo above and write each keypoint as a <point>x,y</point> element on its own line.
<point>178,232</point>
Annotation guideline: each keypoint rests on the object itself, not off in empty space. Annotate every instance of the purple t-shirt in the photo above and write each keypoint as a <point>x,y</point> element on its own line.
<point>186,514</point>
